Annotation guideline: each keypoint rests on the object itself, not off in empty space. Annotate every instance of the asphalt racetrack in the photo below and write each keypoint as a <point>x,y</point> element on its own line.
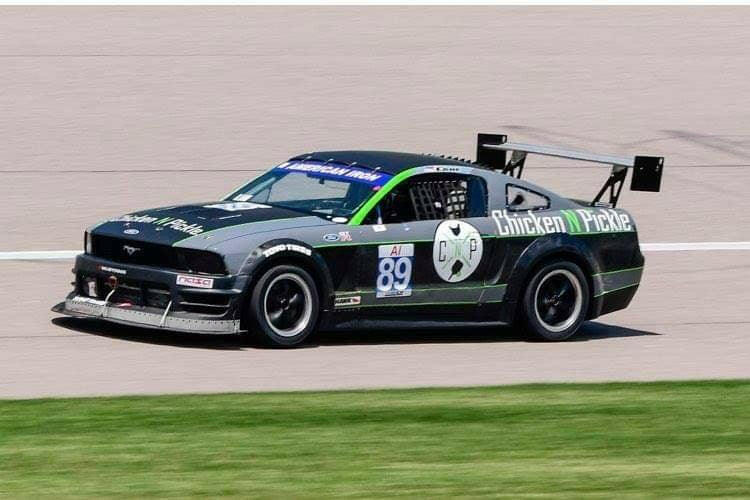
<point>108,110</point>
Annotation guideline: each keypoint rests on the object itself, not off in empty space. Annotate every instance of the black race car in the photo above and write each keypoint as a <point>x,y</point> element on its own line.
<point>366,239</point>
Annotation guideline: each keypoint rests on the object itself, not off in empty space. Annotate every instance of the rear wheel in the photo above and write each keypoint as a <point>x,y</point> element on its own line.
<point>556,301</point>
<point>285,305</point>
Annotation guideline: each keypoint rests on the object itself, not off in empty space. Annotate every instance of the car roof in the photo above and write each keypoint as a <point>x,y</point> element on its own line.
<point>390,162</point>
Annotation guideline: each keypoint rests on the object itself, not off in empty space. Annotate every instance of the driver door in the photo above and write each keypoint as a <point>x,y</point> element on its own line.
<point>427,255</point>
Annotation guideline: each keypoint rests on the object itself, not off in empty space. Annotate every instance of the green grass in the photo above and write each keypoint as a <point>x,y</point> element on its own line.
<point>601,440</point>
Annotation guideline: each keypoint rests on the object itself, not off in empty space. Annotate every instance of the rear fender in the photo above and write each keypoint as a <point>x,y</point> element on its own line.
<point>547,247</point>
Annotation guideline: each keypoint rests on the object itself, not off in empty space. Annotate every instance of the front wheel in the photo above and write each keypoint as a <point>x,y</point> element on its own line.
<point>556,301</point>
<point>285,305</point>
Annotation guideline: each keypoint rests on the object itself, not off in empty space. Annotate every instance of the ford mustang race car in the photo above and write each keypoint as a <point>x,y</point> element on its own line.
<point>371,239</point>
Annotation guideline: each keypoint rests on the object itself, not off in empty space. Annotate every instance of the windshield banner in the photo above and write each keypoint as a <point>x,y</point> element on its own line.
<point>337,172</point>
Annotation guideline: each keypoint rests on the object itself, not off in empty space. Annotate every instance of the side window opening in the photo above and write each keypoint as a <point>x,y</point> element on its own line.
<point>438,199</point>
<point>432,197</point>
<point>520,198</point>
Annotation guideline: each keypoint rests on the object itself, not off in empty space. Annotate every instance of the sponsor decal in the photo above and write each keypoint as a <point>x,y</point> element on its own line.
<point>342,236</point>
<point>339,220</point>
<point>569,221</point>
<point>353,300</point>
<point>337,172</point>
<point>194,281</point>
<point>603,220</point>
<point>180,225</point>
<point>242,197</point>
<point>457,250</point>
<point>379,228</point>
<point>131,231</point>
<point>445,168</point>
<point>130,250</point>
<point>237,206</point>
<point>286,247</point>
<point>113,270</point>
<point>527,223</point>
<point>395,263</point>
<point>146,219</point>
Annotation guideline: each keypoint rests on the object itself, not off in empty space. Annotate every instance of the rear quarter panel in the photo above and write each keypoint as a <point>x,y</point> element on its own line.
<point>602,241</point>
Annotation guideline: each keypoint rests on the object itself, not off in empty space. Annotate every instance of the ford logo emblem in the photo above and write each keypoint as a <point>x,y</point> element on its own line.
<point>331,237</point>
<point>131,231</point>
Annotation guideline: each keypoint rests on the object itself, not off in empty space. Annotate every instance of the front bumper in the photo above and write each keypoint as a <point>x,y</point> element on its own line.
<point>149,297</point>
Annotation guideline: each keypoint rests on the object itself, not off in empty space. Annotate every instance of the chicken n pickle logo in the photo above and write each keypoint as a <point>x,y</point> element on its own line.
<point>180,225</point>
<point>601,220</point>
<point>457,250</point>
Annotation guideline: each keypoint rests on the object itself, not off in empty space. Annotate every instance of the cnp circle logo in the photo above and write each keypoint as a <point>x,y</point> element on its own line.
<point>457,250</point>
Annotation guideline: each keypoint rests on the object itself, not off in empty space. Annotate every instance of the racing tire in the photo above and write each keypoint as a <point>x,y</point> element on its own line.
<point>556,301</point>
<point>285,306</point>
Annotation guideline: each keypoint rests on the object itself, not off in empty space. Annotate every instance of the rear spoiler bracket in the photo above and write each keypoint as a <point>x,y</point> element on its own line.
<point>647,170</point>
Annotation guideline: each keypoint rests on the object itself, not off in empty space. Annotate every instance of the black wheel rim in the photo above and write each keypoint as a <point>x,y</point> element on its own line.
<point>556,300</point>
<point>285,304</point>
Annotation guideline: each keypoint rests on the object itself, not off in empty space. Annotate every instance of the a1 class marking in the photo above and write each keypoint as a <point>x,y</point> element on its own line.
<point>395,263</point>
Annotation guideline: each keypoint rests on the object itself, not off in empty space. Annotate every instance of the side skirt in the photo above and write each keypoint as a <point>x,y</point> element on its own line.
<point>371,324</point>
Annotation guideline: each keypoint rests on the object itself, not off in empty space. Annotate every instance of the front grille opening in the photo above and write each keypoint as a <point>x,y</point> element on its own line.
<point>156,297</point>
<point>204,303</point>
<point>140,293</point>
<point>126,294</point>
<point>206,298</point>
<point>126,251</point>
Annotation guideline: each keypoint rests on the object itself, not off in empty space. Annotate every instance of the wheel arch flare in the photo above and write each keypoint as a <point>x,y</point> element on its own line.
<point>544,249</point>
<point>290,251</point>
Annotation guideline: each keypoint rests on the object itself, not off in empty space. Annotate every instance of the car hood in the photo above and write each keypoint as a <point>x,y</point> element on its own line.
<point>204,224</point>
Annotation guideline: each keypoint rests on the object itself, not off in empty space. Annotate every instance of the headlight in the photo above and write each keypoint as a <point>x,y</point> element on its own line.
<point>87,242</point>
<point>199,261</point>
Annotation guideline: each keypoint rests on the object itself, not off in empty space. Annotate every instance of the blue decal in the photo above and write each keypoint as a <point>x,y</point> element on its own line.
<point>337,172</point>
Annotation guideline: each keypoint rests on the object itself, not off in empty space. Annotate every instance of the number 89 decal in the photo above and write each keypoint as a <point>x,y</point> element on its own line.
<point>394,270</point>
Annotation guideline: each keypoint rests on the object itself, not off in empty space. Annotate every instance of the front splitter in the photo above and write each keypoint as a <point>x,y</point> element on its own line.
<point>86,307</point>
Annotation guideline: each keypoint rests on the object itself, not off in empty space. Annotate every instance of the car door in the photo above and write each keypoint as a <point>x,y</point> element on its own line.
<point>429,249</point>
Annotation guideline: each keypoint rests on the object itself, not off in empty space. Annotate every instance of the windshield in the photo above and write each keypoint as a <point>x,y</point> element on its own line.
<point>332,190</point>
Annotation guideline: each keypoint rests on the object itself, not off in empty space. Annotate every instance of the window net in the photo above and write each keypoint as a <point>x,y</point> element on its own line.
<point>443,199</point>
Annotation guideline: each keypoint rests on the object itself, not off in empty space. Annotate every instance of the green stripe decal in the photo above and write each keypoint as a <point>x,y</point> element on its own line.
<point>463,303</point>
<point>449,288</point>
<point>617,289</point>
<point>619,271</point>
<point>484,237</point>
<point>365,243</point>
<point>391,242</point>
<point>379,195</point>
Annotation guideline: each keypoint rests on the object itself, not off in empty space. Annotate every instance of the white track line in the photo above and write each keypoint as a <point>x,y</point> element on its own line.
<point>49,255</point>
<point>700,246</point>
<point>695,247</point>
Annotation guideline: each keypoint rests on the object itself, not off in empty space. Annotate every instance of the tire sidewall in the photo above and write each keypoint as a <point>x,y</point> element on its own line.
<point>257,306</point>
<point>533,326</point>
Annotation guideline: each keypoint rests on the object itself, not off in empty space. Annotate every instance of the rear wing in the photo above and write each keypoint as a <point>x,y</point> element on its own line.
<point>492,151</point>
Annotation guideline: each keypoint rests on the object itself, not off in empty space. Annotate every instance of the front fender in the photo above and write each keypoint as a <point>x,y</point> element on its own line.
<point>294,252</point>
